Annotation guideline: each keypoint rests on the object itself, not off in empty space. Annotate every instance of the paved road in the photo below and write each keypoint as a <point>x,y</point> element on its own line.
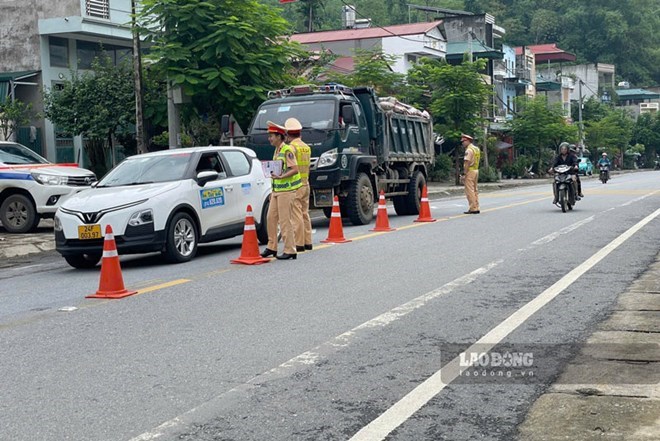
<point>362,345</point>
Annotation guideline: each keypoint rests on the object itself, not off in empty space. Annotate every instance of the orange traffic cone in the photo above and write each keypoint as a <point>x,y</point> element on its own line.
<point>336,232</point>
<point>111,285</point>
<point>382,221</point>
<point>250,247</point>
<point>424,208</point>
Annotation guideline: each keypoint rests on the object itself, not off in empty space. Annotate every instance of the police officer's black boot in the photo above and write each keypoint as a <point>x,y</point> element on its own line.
<point>268,252</point>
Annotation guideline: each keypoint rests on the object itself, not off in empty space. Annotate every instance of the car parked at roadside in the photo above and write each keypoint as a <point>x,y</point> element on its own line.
<point>585,166</point>
<point>32,188</point>
<point>168,201</point>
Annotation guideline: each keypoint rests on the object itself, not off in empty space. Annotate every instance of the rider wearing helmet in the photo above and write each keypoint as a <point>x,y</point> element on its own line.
<point>564,158</point>
<point>573,151</point>
<point>604,160</point>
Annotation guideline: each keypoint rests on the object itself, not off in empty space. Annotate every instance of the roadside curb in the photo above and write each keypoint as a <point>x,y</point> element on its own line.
<point>611,389</point>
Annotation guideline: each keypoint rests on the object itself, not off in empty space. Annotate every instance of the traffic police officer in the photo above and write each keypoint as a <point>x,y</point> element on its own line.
<point>302,221</point>
<point>283,195</point>
<point>470,174</point>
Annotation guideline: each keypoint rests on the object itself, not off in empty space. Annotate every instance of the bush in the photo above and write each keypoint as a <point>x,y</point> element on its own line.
<point>164,140</point>
<point>488,175</point>
<point>443,168</point>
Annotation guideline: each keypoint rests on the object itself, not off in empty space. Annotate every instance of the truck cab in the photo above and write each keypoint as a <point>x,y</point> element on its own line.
<point>356,149</point>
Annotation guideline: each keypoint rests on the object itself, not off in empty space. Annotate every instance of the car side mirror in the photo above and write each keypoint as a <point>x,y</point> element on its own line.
<point>347,115</point>
<point>94,184</point>
<point>206,176</point>
<point>224,124</point>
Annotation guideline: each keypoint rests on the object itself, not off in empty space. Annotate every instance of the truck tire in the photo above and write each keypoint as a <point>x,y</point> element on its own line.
<point>327,212</point>
<point>409,204</point>
<point>18,214</point>
<point>360,201</point>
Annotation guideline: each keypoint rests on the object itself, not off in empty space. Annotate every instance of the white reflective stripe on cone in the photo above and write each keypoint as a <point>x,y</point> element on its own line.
<point>249,227</point>
<point>336,215</point>
<point>110,253</point>
<point>249,213</point>
<point>109,236</point>
<point>425,200</point>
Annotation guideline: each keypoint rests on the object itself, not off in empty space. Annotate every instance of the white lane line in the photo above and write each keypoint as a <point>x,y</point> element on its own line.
<point>310,357</point>
<point>550,237</point>
<point>396,415</point>
<point>632,201</point>
<point>21,268</point>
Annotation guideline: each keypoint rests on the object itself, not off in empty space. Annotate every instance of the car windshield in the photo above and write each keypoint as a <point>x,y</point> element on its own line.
<point>147,169</point>
<point>13,154</point>
<point>315,117</point>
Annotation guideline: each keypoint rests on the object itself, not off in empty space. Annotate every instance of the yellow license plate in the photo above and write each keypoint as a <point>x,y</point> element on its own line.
<point>86,232</point>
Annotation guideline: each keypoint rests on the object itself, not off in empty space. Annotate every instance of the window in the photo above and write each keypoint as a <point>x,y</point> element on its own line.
<point>238,163</point>
<point>211,162</point>
<point>98,8</point>
<point>86,51</point>
<point>59,51</point>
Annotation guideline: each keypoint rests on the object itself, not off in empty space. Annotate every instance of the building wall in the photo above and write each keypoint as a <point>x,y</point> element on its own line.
<point>19,36</point>
<point>408,51</point>
<point>346,48</point>
<point>25,28</point>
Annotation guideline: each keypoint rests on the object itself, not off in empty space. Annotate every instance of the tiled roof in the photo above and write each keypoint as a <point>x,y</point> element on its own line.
<point>361,34</point>
<point>547,52</point>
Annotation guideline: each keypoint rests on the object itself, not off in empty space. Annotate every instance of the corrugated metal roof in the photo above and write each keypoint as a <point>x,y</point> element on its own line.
<point>636,94</point>
<point>362,34</point>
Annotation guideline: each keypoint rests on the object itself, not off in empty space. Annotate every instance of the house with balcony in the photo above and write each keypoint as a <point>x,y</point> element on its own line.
<point>408,42</point>
<point>45,41</point>
<point>638,101</point>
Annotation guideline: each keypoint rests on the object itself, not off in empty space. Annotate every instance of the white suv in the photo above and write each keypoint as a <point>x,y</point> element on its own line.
<point>168,201</point>
<point>32,188</point>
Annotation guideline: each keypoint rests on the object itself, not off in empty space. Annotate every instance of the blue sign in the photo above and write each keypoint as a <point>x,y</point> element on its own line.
<point>212,197</point>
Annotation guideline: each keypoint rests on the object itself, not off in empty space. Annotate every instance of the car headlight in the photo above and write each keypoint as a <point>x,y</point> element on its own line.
<point>141,218</point>
<point>328,158</point>
<point>47,179</point>
<point>57,223</point>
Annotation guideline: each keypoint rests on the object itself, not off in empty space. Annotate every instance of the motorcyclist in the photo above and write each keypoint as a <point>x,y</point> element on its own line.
<point>572,149</point>
<point>604,160</point>
<point>564,158</point>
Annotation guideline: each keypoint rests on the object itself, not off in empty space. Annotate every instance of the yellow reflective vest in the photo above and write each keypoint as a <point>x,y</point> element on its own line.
<point>303,155</point>
<point>292,182</point>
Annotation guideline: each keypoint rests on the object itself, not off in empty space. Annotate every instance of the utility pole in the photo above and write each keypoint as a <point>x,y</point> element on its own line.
<point>580,128</point>
<point>137,85</point>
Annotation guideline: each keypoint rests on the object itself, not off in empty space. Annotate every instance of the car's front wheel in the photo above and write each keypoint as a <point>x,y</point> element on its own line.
<point>181,245</point>
<point>18,214</point>
<point>83,261</point>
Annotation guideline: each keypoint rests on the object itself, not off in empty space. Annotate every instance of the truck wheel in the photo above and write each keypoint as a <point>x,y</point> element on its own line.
<point>18,214</point>
<point>181,245</point>
<point>83,261</point>
<point>400,205</point>
<point>414,196</point>
<point>360,201</point>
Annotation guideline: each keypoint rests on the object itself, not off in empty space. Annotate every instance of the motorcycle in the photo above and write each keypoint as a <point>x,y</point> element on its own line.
<point>564,187</point>
<point>604,173</point>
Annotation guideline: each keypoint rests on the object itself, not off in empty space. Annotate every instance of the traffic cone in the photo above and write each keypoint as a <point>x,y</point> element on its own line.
<point>250,247</point>
<point>424,208</point>
<point>336,232</point>
<point>111,285</point>
<point>382,221</point>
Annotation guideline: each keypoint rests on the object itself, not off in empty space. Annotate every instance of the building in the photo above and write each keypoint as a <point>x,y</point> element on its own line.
<point>44,41</point>
<point>407,42</point>
<point>638,101</point>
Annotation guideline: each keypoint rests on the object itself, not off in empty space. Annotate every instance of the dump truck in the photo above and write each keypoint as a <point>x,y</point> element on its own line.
<point>361,145</point>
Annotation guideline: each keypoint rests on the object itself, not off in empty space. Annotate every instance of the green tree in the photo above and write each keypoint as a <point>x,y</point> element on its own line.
<point>14,113</point>
<point>646,131</point>
<point>539,128</point>
<point>95,105</point>
<point>456,97</point>
<point>225,54</point>
<point>613,132</point>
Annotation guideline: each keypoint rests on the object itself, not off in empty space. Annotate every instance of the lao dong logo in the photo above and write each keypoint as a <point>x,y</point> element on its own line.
<point>497,359</point>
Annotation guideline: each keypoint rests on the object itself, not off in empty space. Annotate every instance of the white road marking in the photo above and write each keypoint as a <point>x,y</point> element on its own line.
<point>632,201</point>
<point>550,237</point>
<point>21,268</point>
<point>312,356</point>
<point>396,415</point>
